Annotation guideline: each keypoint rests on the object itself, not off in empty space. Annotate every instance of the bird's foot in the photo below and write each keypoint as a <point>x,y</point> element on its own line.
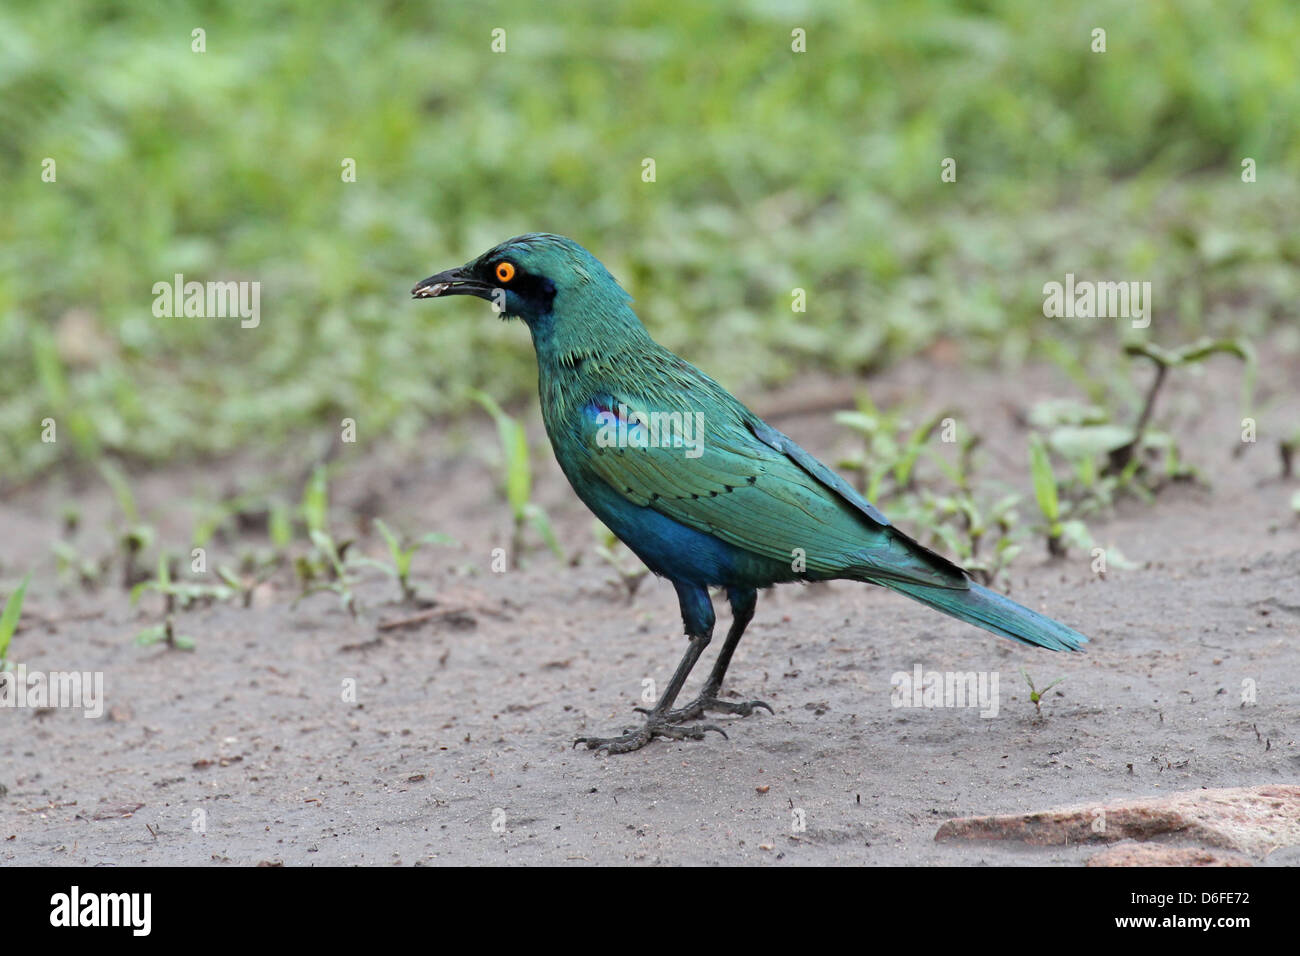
<point>654,727</point>
<point>707,701</point>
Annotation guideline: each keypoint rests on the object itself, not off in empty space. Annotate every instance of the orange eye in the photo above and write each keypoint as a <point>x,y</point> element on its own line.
<point>505,271</point>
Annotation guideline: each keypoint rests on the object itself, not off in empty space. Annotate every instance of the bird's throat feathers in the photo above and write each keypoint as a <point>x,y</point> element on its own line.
<point>591,333</point>
<point>586,322</point>
<point>576,357</point>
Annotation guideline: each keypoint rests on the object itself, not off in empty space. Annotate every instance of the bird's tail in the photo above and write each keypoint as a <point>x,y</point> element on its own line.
<point>993,612</point>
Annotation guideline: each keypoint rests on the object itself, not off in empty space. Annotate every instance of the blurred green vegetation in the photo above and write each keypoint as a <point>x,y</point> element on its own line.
<point>775,170</point>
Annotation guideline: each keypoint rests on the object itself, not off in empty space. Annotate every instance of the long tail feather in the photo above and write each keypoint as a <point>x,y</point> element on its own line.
<point>987,609</point>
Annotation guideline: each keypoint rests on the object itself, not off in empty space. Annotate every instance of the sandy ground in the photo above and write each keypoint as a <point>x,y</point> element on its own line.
<point>457,746</point>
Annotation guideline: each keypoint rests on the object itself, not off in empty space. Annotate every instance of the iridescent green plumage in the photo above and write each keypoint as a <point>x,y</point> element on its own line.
<point>714,497</point>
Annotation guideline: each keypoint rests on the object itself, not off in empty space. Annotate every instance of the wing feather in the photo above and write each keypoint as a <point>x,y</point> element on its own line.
<point>752,487</point>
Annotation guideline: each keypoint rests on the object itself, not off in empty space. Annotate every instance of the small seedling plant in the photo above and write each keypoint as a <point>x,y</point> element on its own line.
<point>324,568</point>
<point>401,552</point>
<point>177,595</point>
<point>1035,695</point>
<point>136,537</point>
<point>165,633</point>
<point>9,621</point>
<point>889,451</point>
<point>517,481</point>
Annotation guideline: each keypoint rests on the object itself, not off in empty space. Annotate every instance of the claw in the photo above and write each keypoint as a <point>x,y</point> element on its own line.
<point>690,733</point>
<point>636,739</point>
<point>697,707</point>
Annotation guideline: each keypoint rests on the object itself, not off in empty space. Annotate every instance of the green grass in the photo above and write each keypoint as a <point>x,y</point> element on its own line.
<point>12,611</point>
<point>774,171</point>
<point>517,482</point>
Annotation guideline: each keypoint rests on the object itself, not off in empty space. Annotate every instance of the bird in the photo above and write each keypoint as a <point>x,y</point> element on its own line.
<point>702,490</point>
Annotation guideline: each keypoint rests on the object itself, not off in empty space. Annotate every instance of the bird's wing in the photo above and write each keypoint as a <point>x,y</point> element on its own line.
<point>833,481</point>
<point>775,439</point>
<point>732,476</point>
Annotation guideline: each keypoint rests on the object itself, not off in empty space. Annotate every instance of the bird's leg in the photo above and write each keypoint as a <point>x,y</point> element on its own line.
<point>697,614</point>
<point>743,602</point>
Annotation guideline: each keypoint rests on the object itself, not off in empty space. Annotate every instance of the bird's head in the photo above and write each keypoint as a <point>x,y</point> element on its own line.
<point>536,277</point>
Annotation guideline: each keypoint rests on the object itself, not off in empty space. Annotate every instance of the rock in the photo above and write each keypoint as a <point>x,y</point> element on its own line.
<point>1249,820</point>
<point>1129,853</point>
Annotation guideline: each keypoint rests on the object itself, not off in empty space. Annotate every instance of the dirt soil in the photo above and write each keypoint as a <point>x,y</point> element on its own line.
<point>457,748</point>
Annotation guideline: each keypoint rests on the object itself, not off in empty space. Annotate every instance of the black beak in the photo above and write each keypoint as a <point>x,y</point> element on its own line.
<point>459,281</point>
